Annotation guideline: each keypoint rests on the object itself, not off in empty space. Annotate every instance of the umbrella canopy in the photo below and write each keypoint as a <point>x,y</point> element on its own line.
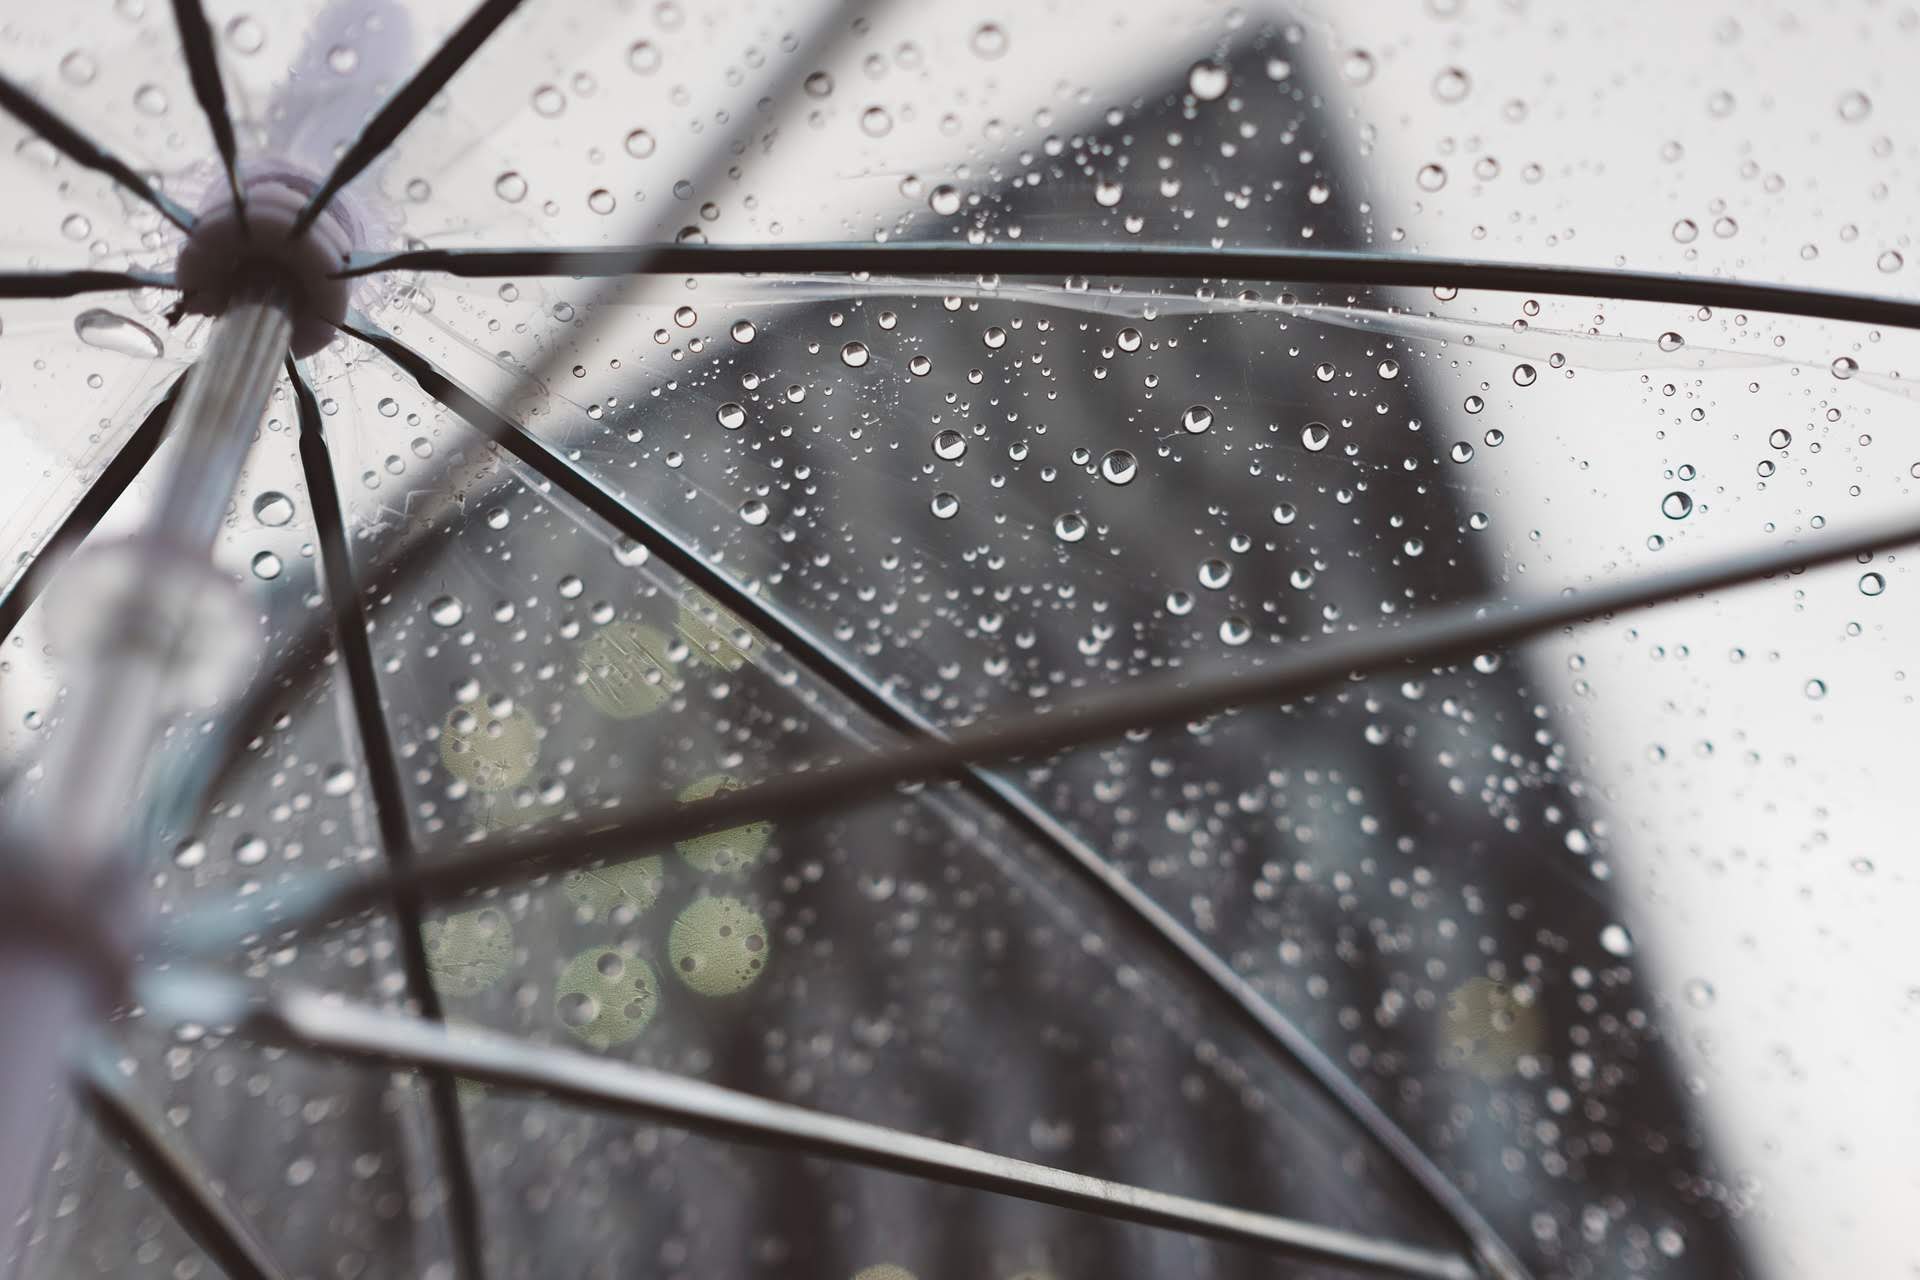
<point>892,641</point>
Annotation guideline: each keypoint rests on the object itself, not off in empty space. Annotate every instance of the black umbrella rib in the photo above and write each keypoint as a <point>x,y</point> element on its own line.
<point>95,502</point>
<point>1448,636</point>
<point>1442,638</point>
<point>82,150</point>
<point>390,812</point>
<point>203,69</point>
<point>408,101</point>
<point>182,1185</point>
<point>66,284</point>
<point>1170,262</point>
<point>834,29</point>
<point>313,1024</point>
<point>1159,927</point>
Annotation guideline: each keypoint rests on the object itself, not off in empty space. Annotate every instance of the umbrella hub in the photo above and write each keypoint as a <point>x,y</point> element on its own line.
<point>226,247</point>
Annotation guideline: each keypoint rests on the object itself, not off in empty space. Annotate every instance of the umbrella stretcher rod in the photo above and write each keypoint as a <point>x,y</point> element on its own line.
<point>146,628</point>
<point>306,1022</point>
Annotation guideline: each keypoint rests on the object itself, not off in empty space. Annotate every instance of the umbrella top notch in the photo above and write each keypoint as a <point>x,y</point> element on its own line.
<point>263,231</point>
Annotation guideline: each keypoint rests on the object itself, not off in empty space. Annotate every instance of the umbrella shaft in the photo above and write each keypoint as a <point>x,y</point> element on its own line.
<point>43,1002</point>
<point>70,842</point>
<point>123,691</point>
<point>220,410</point>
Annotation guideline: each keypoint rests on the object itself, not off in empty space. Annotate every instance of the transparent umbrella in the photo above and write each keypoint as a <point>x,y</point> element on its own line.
<point>890,641</point>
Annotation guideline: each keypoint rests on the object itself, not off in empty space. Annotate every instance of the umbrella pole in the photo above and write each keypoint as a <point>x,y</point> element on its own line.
<point>147,627</point>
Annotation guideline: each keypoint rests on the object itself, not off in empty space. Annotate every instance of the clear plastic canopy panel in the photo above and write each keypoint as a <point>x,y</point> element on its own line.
<point>1580,954</point>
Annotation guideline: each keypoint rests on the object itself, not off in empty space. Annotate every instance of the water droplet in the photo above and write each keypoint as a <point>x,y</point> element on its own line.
<point>1315,436</point>
<point>1107,194</point>
<point>989,40</point>
<point>1855,106</point>
<point>1129,340</point>
<point>1119,467</point>
<point>1524,375</point>
<point>1845,367</point>
<point>1616,940</point>
<point>98,327</point>
<point>1686,231</point>
<point>1780,438</point>
<point>950,445</point>
<point>875,122</point>
<point>601,200</point>
<point>273,508</point>
<point>1890,261</point>
<point>1430,177</point>
<point>1215,574</point>
<point>944,200</point>
<point>246,35</point>
<point>641,144</point>
<point>944,506</point>
<point>1676,505</point>
<point>854,355</point>
<point>577,1009</point>
<point>79,68</point>
<point>995,338</point>
<point>644,57</point>
<point>1235,631</point>
<point>1197,419</point>
<point>189,853</point>
<point>342,59</point>
<point>1473,404</point>
<point>1671,341</point>
<point>339,781</point>
<point>1699,992</point>
<point>249,850</point>
<point>819,85</point>
<point>1357,66</point>
<point>1816,689</point>
<point>1285,513</point>
<point>446,611</point>
<point>1872,584</point>
<point>549,101</point>
<point>1207,80</point>
<point>1070,526</point>
<point>754,512</point>
<point>75,226</point>
<point>920,366</point>
<point>267,566</point>
<point>1461,452</point>
<point>150,100</point>
<point>1451,85</point>
<point>510,187</point>
<point>731,416</point>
